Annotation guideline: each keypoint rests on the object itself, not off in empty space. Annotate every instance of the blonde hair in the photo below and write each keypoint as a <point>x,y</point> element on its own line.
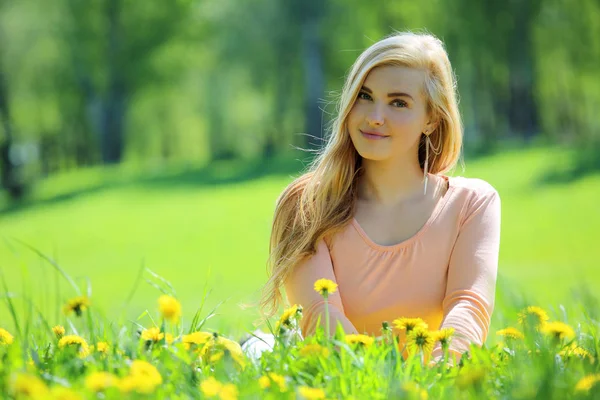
<point>321,201</point>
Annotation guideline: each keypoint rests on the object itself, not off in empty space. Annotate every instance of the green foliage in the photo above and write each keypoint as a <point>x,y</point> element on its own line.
<point>89,355</point>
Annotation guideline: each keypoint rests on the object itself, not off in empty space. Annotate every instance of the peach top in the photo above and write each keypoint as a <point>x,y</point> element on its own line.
<point>444,274</point>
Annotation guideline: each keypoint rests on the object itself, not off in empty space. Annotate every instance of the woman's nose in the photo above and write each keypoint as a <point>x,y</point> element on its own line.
<point>375,116</point>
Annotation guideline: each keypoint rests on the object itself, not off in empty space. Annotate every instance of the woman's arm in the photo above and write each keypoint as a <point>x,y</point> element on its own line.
<point>469,300</point>
<point>299,287</point>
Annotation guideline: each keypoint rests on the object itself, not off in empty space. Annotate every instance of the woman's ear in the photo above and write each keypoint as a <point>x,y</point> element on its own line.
<point>431,126</point>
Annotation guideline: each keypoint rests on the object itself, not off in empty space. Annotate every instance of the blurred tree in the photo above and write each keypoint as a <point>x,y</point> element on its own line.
<point>111,45</point>
<point>9,173</point>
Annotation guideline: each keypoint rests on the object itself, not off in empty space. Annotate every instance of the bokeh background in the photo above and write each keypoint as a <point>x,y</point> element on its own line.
<point>158,135</point>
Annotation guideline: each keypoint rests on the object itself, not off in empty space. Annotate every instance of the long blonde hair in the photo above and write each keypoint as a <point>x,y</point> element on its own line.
<point>321,201</point>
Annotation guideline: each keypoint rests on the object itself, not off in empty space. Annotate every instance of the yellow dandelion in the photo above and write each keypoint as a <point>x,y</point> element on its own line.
<point>362,340</point>
<point>420,339</point>
<point>217,346</point>
<point>100,381</point>
<point>444,336</point>
<point>264,382</point>
<point>170,308</point>
<point>102,347</point>
<point>512,333</point>
<point>152,335</point>
<point>229,392</point>
<point>5,337</point>
<point>210,387</point>
<point>414,391</point>
<point>325,287</point>
<point>575,350</point>
<point>59,331</point>
<point>314,349</point>
<point>77,305</point>
<point>194,339</point>
<point>409,324</point>
<point>587,382</point>
<point>169,338</point>
<point>470,376</point>
<point>533,315</point>
<point>147,377</point>
<point>558,330</point>
<point>63,393</point>
<point>289,317</point>
<point>128,383</point>
<point>27,386</point>
<point>311,393</point>
<point>75,341</point>
<point>279,380</point>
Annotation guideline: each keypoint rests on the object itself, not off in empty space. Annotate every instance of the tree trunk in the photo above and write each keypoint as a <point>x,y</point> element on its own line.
<point>314,79</point>
<point>9,174</point>
<point>522,112</point>
<point>115,103</point>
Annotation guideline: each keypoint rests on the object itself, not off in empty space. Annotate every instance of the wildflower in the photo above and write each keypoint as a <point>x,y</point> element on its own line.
<point>325,287</point>
<point>558,330</point>
<point>153,335</point>
<point>27,386</point>
<point>414,391</point>
<point>587,382</point>
<point>77,305</point>
<point>75,341</point>
<point>100,347</point>
<point>5,337</point>
<point>533,315</point>
<point>229,392</point>
<point>264,382</point>
<point>289,317</point>
<point>575,350</point>
<point>194,339</point>
<point>169,339</point>
<point>212,387</point>
<point>420,339</point>
<point>409,324</point>
<point>278,379</point>
<point>363,340</point>
<point>59,331</point>
<point>100,381</point>
<point>314,350</point>
<point>170,308</point>
<point>444,336</point>
<point>63,393</point>
<point>311,393</point>
<point>510,332</point>
<point>470,376</point>
<point>145,376</point>
<point>218,346</point>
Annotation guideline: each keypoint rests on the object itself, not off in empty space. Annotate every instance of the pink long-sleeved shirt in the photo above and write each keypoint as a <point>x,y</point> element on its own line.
<point>445,273</point>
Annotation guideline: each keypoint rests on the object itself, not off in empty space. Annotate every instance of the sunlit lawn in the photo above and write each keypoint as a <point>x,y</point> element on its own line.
<point>194,232</point>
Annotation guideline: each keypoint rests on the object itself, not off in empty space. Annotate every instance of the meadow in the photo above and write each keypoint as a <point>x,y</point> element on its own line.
<point>122,235</point>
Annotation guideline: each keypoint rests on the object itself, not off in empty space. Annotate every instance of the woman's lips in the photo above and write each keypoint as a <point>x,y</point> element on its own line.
<point>372,136</point>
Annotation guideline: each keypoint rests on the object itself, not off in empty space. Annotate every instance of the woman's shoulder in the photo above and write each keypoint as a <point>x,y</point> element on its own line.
<point>474,195</point>
<point>473,187</point>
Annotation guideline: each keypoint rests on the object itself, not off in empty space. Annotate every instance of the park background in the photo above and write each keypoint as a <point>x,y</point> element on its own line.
<point>160,134</point>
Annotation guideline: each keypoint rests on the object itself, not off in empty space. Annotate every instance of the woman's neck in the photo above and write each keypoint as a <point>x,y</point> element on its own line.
<point>390,182</point>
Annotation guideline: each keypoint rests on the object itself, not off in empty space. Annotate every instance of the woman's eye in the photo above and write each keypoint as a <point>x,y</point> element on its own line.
<point>364,96</point>
<point>399,103</point>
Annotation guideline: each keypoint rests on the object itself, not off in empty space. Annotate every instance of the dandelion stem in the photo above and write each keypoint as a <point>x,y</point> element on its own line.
<point>327,318</point>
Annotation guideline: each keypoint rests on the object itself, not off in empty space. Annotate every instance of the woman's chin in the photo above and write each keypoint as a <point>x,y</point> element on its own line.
<point>373,155</point>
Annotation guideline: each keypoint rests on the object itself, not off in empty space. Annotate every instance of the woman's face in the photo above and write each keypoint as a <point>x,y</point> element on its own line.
<point>392,105</point>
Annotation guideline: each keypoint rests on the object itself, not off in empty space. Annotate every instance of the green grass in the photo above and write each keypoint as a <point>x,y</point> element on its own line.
<point>181,223</point>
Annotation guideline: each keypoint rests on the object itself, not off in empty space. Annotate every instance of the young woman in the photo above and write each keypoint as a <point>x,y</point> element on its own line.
<point>376,213</point>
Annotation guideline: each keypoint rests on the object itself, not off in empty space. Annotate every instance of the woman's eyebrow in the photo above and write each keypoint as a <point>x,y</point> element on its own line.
<point>394,94</point>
